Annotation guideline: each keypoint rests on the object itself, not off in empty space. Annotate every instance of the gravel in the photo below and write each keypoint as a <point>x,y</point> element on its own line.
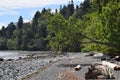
<point>39,67</point>
<point>65,66</point>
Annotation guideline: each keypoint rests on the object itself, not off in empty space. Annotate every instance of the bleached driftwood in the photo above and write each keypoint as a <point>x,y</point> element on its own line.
<point>97,70</point>
<point>78,67</point>
<point>98,55</point>
<point>111,65</point>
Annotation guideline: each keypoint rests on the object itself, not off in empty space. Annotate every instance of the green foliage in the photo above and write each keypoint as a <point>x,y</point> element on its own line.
<point>74,34</point>
<point>20,22</point>
<point>68,10</point>
<point>64,35</point>
<point>2,32</point>
<point>103,27</point>
<point>35,22</point>
<point>10,29</point>
<point>94,25</point>
<point>3,44</point>
<point>56,28</point>
<point>12,44</point>
<point>111,16</point>
<point>19,32</point>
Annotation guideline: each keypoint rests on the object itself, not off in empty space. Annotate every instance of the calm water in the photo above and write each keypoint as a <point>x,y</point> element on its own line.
<point>17,54</point>
<point>11,54</point>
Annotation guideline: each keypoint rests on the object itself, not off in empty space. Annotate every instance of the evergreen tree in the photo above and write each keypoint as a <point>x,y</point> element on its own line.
<point>35,22</point>
<point>3,32</point>
<point>19,36</point>
<point>96,22</point>
<point>10,29</point>
<point>3,44</point>
<point>63,11</point>
<point>70,9</point>
<point>20,22</point>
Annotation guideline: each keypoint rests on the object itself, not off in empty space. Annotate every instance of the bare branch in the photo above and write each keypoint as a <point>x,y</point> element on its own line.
<point>98,42</point>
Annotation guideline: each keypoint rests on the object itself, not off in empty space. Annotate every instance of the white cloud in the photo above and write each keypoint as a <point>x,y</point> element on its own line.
<point>15,4</point>
<point>7,11</point>
<point>8,7</point>
<point>27,20</point>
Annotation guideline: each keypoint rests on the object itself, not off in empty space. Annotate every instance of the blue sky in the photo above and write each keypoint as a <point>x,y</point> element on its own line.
<point>10,10</point>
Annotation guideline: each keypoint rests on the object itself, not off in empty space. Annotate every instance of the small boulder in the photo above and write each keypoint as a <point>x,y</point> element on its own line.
<point>20,58</point>
<point>10,59</point>
<point>1,59</point>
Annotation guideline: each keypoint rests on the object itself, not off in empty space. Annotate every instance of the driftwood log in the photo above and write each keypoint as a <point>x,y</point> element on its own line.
<point>97,70</point>
<point>111,65</point>
<point>78,67</point>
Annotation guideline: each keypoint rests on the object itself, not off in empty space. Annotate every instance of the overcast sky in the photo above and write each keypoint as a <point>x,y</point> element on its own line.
<point>10,10</point>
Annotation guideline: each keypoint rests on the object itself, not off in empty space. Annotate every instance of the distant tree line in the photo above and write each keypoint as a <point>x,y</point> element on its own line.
<point>94,25</point>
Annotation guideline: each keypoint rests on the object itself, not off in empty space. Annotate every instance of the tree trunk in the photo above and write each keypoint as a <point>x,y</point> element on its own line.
<point>98,42</point>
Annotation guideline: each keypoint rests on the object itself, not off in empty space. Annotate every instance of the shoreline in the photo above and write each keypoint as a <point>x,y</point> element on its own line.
<point>16,69</point>
<point>19,54</point>
<point>34,65</point>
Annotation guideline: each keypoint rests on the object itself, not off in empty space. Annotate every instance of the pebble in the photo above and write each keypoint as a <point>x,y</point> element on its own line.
<point>19,68</point>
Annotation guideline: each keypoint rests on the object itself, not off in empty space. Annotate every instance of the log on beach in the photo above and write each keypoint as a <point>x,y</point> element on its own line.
<point>111,65</point>
<point>78,67</point>
<point>97,70</point>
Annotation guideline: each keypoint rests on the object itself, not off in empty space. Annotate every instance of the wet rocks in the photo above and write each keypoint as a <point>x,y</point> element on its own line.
<point>10,59</point>
<point>16,69</point>
<point>1,59</point>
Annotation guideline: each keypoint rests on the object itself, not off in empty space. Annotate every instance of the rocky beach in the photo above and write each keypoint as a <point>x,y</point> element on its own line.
<point>47,67</point>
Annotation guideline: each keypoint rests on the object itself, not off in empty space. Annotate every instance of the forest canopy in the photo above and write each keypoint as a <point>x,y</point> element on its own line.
<point>93,25</point>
